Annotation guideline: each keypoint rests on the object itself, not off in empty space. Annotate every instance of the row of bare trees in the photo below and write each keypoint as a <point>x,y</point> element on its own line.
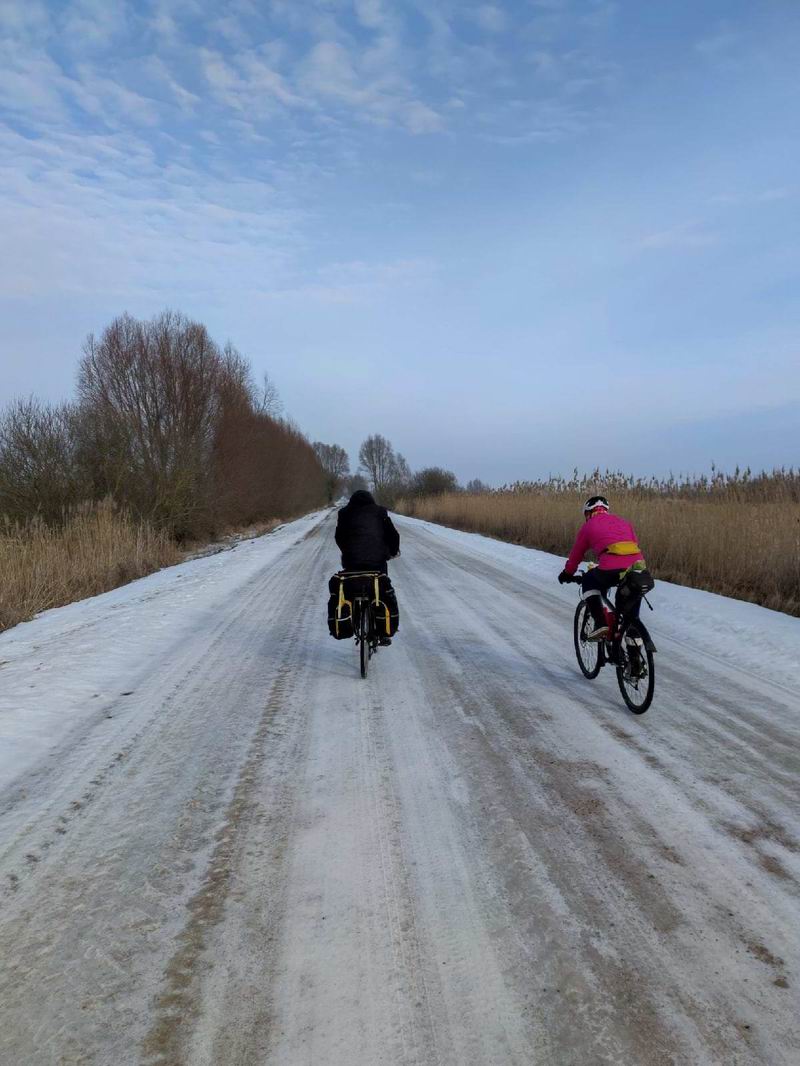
<point>167,424</point>
<point>390,477</point>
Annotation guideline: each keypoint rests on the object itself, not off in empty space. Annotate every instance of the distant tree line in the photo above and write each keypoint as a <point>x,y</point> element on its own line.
<point>169,426</point>
<point>172,428</point>
<point>386,472</point>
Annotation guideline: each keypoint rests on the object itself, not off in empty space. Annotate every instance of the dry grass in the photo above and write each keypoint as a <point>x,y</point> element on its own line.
<point>95,550</point>
<point>740,537</point>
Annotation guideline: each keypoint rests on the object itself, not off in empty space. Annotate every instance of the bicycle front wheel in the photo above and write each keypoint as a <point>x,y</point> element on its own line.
<point>589,653</point>
<point>636,673</point>
<point>363,633</point>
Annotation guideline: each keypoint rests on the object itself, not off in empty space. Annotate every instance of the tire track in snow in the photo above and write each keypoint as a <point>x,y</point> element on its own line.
<point>280,734</point>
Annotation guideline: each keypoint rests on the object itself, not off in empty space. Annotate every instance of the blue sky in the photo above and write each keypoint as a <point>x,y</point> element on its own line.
<point>513,237</point>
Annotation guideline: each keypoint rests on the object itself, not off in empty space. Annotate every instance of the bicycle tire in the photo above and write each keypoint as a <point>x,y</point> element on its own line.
<point>589,663</point>
<point>363,631</point>
<point>646,685</point>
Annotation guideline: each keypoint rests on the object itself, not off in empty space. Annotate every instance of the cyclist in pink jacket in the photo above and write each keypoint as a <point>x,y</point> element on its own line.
<point>614,543</point>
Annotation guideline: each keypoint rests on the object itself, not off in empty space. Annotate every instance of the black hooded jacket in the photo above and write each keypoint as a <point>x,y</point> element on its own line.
<point>365,534</point>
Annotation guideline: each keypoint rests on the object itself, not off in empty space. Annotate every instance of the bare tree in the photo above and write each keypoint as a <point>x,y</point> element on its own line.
<point>399,482</point>
<point>379,462</point>
<point>155,389</point>
<point>270,402</point>
<point>335,461</point>
<point>168,425</point>
<point>40,473</point>
<point>433,481</point>
<point>476,487</point>
<point>355,483</point>
<point>401,473</point>
<point>263,468</point>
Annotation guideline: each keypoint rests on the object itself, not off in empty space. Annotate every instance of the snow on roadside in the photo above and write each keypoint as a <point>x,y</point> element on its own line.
<point>741,635</point>
<point>64,666</point>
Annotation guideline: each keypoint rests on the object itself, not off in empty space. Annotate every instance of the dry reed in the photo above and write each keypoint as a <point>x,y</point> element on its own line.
<point>738,535</point>
<point>96,549</point>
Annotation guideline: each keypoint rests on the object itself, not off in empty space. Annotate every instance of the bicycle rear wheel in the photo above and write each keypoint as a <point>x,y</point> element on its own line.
<point>363,633</point>
<point>589,653</point>
<point>636,675</point>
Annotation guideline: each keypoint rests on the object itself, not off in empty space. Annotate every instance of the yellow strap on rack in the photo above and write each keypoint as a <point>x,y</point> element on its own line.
<point>342,603</point>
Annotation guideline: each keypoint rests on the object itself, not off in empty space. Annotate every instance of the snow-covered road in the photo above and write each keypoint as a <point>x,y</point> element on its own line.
<point>219,845</point>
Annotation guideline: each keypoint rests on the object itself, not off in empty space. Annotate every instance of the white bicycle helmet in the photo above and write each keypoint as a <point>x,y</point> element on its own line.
<point>594,503</point>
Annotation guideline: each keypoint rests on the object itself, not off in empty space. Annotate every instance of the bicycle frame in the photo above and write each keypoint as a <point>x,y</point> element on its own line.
<point>368,643</point>
<point>628,646</point>
<point>367,638</point>
<point>360,604</point>
<point>617,625</point>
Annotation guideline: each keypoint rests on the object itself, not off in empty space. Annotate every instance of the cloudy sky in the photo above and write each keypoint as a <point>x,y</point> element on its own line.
<point>514,237</point>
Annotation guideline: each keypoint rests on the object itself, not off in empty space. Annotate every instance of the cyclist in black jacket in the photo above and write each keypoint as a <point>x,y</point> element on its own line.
<point>367,538</point>
<point>366,535</point>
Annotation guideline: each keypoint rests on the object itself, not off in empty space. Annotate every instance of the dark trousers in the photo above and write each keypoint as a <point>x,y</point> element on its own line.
<point>374,568</point>
<point>598,581</point>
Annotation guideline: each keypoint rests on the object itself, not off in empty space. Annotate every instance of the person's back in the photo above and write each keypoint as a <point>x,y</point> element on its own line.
<point>610,537</point>
<point>365,534</point>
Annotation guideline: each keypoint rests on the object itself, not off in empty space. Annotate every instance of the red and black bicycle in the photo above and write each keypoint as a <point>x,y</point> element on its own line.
<point>628,646</point>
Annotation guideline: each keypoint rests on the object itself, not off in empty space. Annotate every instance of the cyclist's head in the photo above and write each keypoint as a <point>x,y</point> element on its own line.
<point>361,498</point>
<point>595,505</point>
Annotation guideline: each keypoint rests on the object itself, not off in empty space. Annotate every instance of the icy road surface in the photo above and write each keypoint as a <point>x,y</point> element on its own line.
<point>219,845</point>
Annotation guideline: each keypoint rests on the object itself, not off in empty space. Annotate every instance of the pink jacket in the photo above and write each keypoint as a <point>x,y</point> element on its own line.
<point>597,534</point>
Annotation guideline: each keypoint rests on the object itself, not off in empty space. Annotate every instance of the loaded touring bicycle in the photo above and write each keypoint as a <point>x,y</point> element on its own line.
<point>360,607</point>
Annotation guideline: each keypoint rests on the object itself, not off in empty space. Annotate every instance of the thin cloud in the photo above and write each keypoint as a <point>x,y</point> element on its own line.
<point>24,21</point>
<point>159,71</point>
<point>720,43</point>
<point>100,213</point>
<point>374,15</point>
<point>744,199</point>
<point>689,236</point>
<point>331,72</point>
<point>93,24</point>
<point>34,87</point>
<point>358,282</point>
<point>490,18</point>
<point>103,97</point>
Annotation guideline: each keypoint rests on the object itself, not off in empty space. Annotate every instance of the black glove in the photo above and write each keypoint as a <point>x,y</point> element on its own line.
<point>564,578</point>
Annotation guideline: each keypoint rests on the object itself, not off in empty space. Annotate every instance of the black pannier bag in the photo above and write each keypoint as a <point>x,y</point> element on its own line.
<point>340,609</point>
<point>634,585</point>
<point>387,614</point>
<point>344,588</point>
